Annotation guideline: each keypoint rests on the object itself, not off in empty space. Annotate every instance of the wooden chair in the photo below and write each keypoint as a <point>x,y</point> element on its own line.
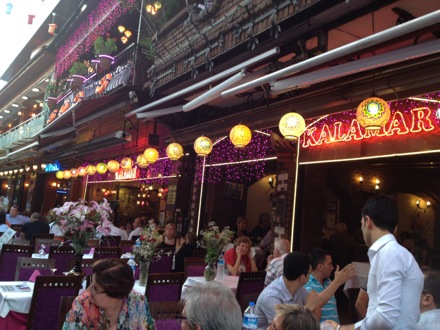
<point>194,266</point>
<point>62,255</point>
<point>94,242</point>
<point>164,287</point>
<point>249,283</point>
<point>126,246</point>
<point>47,242</point>
<point>102,252</point>
<point>65,306</point>
<point>48,291</point>
<point>166,314</point>
<point>110,240</point>
<point>26,266</point>
<point>20,241</point>
<point>41,236</point>
<point>163,265</point>
<point>8,259</point>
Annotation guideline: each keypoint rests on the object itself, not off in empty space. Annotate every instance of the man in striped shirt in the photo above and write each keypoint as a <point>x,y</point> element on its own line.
<point>275,261</point>
<point>319,280</point>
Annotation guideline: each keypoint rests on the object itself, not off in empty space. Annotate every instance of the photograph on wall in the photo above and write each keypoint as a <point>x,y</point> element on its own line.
<point>233,190</point>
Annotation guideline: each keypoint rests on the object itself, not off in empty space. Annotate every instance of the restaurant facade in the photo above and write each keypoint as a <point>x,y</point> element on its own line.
<point>247,62</point>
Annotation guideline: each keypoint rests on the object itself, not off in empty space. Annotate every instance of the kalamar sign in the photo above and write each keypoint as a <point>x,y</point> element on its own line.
<point>122,174</point>
<point>342,137</point>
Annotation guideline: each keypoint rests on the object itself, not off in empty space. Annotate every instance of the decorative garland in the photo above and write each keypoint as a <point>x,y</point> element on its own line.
<point>97,24</point>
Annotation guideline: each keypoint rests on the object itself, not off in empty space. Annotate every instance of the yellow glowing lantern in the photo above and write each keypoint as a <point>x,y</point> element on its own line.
<point>141,161</point>
<point>151,155</point>
<point>292,125</point>
<point>240,136</point>
<point>174,151</point>
<point>59,175</point>
<point>90,169</point>
<point>82,171</point>
<point>121,28</point>
<point>128,33</point>
<point>101,168</point>
<point>126,163</point>
<point>66,174</point>
<point>373,113</point>
<point>203,146</point>
<point>73,172</point>
<point>113,165</point>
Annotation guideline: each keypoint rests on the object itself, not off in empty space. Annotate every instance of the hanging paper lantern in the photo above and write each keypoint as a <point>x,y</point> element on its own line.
<point>90,169</point>
<point>66,174</point>
<point>82,171</point>
<point>174,151</point>
<point>74,172</point>
<point>240,136</point>
<point>141,161</point>
<point>126,163</point>
<point>203,146</point>
<point>151,155</point>
<point>292,125</point>
<point>101,168</point>
<point>373,113</point>
<point>113,165</point>
<point>59,175</point>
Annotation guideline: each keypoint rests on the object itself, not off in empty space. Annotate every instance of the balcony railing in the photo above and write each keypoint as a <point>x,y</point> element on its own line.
<point>121,73</point>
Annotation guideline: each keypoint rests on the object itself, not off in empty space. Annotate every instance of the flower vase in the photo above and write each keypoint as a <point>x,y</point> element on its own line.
<point>77,268</point>
<point>210,272</point>
<point>143,272</point>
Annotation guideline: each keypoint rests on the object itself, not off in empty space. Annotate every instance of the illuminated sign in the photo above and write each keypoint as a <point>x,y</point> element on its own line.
<point>53,167</point>
<point>415,121</point>
<point>127,174</point>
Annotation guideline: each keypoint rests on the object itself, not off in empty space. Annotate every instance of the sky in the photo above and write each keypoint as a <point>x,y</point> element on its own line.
<point>16,30</point>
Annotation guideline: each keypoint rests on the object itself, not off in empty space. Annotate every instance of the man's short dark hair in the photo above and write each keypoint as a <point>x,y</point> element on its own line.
<point>432,286</point>
<point>295,265</point>
<point>318,256</point>
<point>383,211</point>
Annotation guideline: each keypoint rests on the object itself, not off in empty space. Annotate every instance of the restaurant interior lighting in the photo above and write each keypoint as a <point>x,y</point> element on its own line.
<point>15,105</point>
<point>271,182</point>
<point>373,113</point>
<point>121,28</point>
<point>7,111</point>
<point>35,89</point>
<point>24,97</point>
<point>292,125</point>
<point>428,205</point>
<point>43,166</point>
<point>35,167</point>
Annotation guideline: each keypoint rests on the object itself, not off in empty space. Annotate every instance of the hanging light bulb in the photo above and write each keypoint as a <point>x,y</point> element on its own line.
<point>203,146</point>
<point>74,172</point>
<point>113,165</point>
<point>373,113</point>
<point>59,175</point>
<point>174,151</point>
<point>157,5</point>
<point>126,163</point>
<point>240,136</point>
<point>124,39</point>
<point>121,28</point>
<point>43,166</point>
<point>292,125</point>
<point>66,174</point>
<point>151,155</point>
<point>35,167</point>
<point>141,161</point>
<point>82,171</point>
<point>128,33</point>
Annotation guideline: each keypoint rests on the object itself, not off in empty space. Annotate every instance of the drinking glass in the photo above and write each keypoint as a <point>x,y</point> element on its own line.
<point>42,251</point>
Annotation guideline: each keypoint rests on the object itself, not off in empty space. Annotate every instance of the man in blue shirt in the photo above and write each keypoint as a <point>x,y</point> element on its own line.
<point>14,218</point>
<point>322,268</point>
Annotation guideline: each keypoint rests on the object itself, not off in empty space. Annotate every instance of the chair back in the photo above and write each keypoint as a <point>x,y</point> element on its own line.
<point>20,241</point>
<point>163,265</point>
<point>47,242</point>
<point>249,283</point>
<point>41,236</point>
<point>126,246</point>
<point>93,242</point>
<point>62,255</point>
<point>50,289</point>
<point>164,287</point>
<point>65,306</point>
<point>103,252</point>
<point>110,240</point>
<point>8,259</point>
<point>26,266</point>
<point>199,252</point>
<point>86,267</point>
<point>17,228</point>
<point>194,266</point>
<point>165,314</point>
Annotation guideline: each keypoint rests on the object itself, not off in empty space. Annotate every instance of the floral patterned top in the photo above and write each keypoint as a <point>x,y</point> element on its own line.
<point>134,314</point>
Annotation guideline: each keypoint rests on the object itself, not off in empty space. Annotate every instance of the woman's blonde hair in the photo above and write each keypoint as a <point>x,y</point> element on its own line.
<point>242,239</point>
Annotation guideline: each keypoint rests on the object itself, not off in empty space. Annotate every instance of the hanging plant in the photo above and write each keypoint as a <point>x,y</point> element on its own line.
<point>79,68</point>
<point>104,47</point>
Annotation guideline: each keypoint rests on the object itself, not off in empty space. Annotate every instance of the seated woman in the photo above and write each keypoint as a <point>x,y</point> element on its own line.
<point>239,258</point>
<point>169,237</point>
<point>109,302</point>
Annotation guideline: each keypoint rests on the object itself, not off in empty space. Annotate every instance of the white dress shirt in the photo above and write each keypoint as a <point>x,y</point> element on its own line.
<point>429,320</point>
<point>395,283</point>
<point>115,231</point>
<point>136,232</point>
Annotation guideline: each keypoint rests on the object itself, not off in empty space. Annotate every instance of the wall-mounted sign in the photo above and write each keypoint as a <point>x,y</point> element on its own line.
<point>127,174</point>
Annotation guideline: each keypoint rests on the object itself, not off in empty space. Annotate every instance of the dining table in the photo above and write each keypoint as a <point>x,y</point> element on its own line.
<point>229,281</point>
<point>15,303</point>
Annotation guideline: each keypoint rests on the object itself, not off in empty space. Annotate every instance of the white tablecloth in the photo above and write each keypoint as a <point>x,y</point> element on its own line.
<point>360,277</point>
<point>15,301</point>
<point>228,281</point>
<point>46,256</point>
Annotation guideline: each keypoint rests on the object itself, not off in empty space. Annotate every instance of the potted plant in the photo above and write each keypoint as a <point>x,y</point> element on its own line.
<point>51,100</point>
<point>103,48</point>
<point>78,71</point>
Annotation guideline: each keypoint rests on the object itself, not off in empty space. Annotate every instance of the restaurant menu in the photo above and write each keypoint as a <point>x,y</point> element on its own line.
<point>16,288</point>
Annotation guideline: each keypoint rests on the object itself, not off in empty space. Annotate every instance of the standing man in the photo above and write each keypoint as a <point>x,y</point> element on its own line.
<point>37,225</point>
<point>319,280</point>
<point>211,306</point>
<point>395,280</point>
<point>430,302</point>
<point>15,218</point>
